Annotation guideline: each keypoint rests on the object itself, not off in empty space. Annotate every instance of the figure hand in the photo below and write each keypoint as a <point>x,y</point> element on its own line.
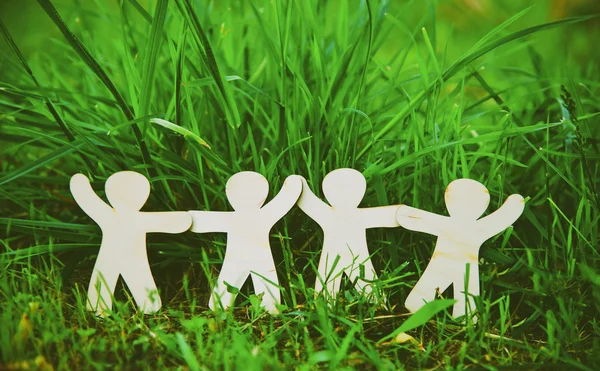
<point>515,198</point>
<point>293,179</point>
<point>79,180</point>
<point>294,182</point>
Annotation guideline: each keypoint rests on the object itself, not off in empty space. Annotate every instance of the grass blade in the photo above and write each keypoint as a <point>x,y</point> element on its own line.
<point>152,48</point>
<point>462,63</point>
<point>489,137</point>
<point>421,317</point>
<point>11,43</point>
<point>187,353</point>
<point>469,58</point>
<point>93,64</point>
<point>180,130</point>
<point>54,155</point>
<point>208,57</point>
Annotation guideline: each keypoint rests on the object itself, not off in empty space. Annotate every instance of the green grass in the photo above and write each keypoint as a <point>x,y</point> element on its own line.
<point>400,91</point>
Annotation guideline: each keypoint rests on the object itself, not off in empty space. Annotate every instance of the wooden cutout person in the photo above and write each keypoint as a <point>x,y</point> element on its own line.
<point>123,248</point>
<point>344,227</point>
<point>248,250</point>
<point>460,237</point>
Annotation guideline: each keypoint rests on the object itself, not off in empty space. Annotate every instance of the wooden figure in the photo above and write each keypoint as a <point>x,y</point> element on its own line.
<point>344,228</point>
<point>248,250</point>
<point>123,248</point>
<point>460,237</point>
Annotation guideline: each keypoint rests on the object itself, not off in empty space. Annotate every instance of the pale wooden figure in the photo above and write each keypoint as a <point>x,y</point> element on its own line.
<point>248,251</point>
<point>344,227</point>
<point>123,248</point>
<point>460,237</point>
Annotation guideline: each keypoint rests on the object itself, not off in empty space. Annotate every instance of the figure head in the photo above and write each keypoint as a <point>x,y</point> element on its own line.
<point>466,199</point>
<point>247,190</point>
<point>127,190</point>
<point>344,188</point>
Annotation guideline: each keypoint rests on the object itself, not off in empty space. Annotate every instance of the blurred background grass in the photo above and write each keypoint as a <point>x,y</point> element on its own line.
<point>460,23</point>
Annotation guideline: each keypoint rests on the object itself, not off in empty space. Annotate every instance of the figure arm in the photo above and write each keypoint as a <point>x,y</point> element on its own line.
<point>420,220</point>
<point>285,199</point>
<point>380,217</point>
<point>504,217</point>
<point>167,222</point>
<point>87,199</point>
<point>311,204</point>
<point>210,221</point>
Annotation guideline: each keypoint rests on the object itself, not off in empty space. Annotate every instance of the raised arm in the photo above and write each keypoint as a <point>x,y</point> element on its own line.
<point>421,221</point>
<point>380,217</point>
<point>285,199</point>
<point>311,204</point>
<point>167,222</point>
<point>504,217</point>
<point>87,199</point>
<point>210,221</point>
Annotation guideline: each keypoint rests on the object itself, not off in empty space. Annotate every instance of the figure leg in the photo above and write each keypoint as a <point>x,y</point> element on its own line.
<point>266,285</point>
<point>140,282</point>
<point>465,303</point>
<point>101,290</point>
<point>433,280</point>
<point>329,275</point>
<point>234,274</point>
